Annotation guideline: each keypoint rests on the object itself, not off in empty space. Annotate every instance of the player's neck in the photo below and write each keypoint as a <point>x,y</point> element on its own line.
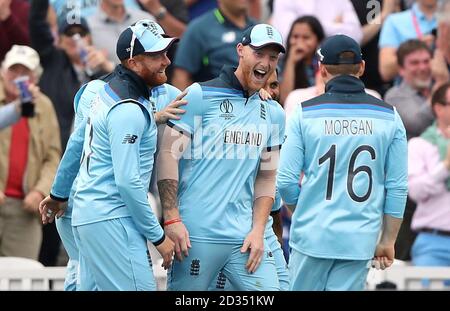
<point>241,77</point>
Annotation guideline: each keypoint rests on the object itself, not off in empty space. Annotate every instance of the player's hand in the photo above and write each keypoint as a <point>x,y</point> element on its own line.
<point>49,208</point>
<point>384,256</point>
<point>264,95</point>
<point>172,111</point>
<point>166,250</point>
<point>255,242</point>
<point>2,198</point>
<point>31,201</point>
<point>178,233</point>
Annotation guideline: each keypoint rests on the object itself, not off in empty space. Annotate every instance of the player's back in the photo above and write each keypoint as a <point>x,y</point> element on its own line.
<point>97,197</point>
<point>348,140</point>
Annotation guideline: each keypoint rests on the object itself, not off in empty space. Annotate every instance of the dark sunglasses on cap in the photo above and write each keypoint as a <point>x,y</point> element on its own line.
<point>71,31</point>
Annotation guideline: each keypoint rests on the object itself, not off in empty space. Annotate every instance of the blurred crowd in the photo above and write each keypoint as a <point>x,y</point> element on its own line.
<point>48,49</point>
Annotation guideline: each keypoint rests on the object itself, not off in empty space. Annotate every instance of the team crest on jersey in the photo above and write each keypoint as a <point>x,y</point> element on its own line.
<point>195,267</point>
<point>226,107</point>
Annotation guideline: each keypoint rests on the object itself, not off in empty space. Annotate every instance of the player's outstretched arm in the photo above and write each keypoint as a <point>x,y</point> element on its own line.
<point>171,148</point>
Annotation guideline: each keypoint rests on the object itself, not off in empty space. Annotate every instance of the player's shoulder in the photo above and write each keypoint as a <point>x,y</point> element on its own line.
<point>276,110</point>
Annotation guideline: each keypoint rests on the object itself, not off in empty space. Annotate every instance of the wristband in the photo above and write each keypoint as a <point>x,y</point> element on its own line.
<point>169,222</point>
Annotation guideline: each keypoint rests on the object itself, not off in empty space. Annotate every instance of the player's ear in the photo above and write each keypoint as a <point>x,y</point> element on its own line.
<point>240,49</point>
<point>362,68</point>
<point>323,71</point>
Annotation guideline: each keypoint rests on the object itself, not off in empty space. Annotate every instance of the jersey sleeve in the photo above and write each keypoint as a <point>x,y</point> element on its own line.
<point>126,124</point>
<point>277,128</point>
<point>70,163</point>
<point>172,92</point>
<point>192,118</point>
<point>291,160</point>
<point>396,170</point>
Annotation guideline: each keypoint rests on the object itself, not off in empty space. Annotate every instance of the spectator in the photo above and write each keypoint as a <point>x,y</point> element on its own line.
<point>72,8</point>
<point>210,42</point>
<point>371,26</point>
<point>199,7</point>
<point>62,63</point>
<point>411,98</point>
<point>415,23</point>
<point>336,17</point>
<point>13,24</point>
<point>110,19</point>
<point>429,186</point>
<point>300,62</point>
<point>29,156</point>
<point>172,15</point>
<point>443,32</point>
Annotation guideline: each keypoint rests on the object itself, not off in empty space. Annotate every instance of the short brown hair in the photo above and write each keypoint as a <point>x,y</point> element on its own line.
<point>409,47</point>
<point>344,69</point>
<point>440,96</point>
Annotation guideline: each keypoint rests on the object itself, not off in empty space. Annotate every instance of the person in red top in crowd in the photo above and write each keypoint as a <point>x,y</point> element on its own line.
<point>13,24</point>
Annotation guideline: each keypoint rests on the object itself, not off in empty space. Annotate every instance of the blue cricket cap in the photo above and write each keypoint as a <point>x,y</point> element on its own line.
<point>331,49</point>
<point>145,36</point>
<point>262,35</point>
<point>64,24</point>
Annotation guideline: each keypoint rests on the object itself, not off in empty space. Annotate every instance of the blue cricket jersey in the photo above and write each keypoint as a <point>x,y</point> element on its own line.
<point>118,153</point>
<point>64,184</point>
<point>352,149</point>
<point>228,131</point>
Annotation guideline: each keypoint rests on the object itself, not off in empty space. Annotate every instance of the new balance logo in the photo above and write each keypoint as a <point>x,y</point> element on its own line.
<point>221,280</point>
<point>129,139</point>
<point>195,267</point>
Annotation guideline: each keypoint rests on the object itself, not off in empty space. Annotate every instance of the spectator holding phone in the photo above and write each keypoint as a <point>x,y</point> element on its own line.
<point>29,153</point>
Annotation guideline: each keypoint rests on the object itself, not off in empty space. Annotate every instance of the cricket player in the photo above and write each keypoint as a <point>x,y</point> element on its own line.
<point>352,150</point>
<point>217,198</point>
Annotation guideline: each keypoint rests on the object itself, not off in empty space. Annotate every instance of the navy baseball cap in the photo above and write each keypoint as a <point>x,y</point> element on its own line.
<point>262,35</point>
<point>330,50</point>
<point>64,24</point>
<point>145,36</point>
